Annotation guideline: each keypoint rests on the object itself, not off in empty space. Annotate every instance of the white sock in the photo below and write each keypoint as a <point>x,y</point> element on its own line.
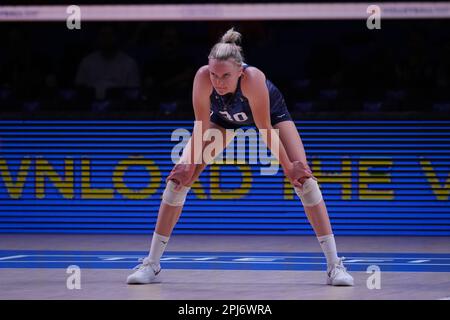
<point>328,246</point>
<point>157,247</point>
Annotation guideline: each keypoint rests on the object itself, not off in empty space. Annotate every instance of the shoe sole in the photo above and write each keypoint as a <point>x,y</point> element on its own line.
<point>339,283</point>
<point>142,282</point>
<point>135,282</point>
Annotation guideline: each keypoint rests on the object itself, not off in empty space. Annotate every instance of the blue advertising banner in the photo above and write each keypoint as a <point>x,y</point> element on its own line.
<point>377,178</point>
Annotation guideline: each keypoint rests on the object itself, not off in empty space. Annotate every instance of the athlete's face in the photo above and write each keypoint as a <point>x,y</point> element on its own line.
<point>224,75</point>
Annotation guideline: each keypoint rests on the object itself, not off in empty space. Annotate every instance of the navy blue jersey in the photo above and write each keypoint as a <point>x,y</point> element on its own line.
<point>233,110</point>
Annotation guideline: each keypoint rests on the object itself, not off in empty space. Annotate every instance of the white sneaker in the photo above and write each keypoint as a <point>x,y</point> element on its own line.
<point>337,275</point>
<point>146,272</point>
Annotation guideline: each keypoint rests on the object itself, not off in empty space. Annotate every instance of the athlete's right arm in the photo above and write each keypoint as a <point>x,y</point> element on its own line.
<point>201,91</point>
<point>202,88</point>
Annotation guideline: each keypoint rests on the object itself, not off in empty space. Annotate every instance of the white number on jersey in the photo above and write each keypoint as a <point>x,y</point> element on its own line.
<point>239,117</point>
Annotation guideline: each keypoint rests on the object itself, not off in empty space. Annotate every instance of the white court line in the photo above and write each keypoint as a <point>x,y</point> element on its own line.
<point>238,255</point>
<point>81,255</point>
<point>366,260</point>
<point>239,262</point>
<point>419,261</point>
<point>12,257</point>
<point>254,259</point>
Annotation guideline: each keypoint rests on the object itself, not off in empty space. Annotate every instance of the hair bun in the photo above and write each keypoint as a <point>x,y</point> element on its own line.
<point>231,36</point>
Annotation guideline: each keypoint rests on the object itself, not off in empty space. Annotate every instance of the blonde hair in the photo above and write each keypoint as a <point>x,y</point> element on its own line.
<point>228,47</point>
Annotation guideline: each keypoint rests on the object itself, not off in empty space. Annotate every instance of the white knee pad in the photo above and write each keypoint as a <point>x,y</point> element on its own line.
<point>310,193</point>
<point>172,197</point>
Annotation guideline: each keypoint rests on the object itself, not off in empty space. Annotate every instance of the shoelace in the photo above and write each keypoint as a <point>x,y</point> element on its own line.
<point>146,263</point>
<point>338,266</point>
<point>341,264</point>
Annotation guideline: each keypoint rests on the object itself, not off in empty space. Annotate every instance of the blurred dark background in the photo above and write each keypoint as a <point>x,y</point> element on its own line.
<point>325,69</point>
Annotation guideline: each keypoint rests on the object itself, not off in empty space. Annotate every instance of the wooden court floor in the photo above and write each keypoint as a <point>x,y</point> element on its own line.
<point>208,267</point>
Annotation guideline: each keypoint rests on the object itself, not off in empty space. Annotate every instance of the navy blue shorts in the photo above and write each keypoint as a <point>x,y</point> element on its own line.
<point>280,114</point>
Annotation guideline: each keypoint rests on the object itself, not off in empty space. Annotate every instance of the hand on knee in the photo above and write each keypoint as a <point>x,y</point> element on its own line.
<point>182,173</point>
<point>309,193</point>
<point>298,172</point>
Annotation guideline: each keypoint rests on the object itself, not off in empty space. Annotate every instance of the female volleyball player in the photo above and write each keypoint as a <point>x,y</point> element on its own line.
<point>228,94</point>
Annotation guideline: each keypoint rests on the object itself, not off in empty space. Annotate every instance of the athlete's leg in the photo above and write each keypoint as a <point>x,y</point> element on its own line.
<point>317,214</point>
<point>316,211</point>
<point>169,214</point>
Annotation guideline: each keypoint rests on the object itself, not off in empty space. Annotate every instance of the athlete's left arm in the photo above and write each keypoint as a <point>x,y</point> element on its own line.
<point>254,88</point>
